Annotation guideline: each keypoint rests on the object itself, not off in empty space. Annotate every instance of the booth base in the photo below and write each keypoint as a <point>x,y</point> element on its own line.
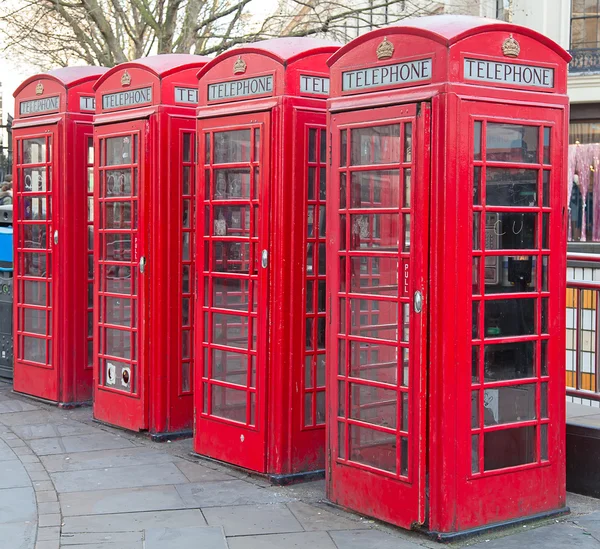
<point>481,530</point>
<point>64,405</point>
<point>176,435</point>
<point>277,480</point>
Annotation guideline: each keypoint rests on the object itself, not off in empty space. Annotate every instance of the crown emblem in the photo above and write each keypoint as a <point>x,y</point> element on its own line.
<point>39,89</point>
<point>510,47</point>
<point>125,79</point>
<point>239,67</point>
<point>385,50</point>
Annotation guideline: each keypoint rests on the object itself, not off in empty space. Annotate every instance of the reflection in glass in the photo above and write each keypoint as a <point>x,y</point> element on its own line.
<point>34,264</point>
<point>374,275</point>
<point>34,321</point>
<point>232,146</point>
<point>232,184</point>
<point>34,208</point>
<point>477,141</point>
<point>509,404</point>
<point>474,409</point>
<point>118,246</point>
<point>34,151</point>
<point>374,319</point>
<point>230,330</point>
<point>512,143</point>
<point>515,187</point>
<point>544,441</point>
<point>509,317</point>
<point>34,236</point>
<point>34,293</point>
<point>476,231</point>
<point>118,343</point>
<point>509,361</point>
<point>373,405</point>
<point>231,293</point>
<point>477,186</point>
<point>117,215</point>
<point>373,361</point>
<point>343,147</point>
<point>408,139</point>
<point>509,448</point>
<point>475,454</point>
<point>228,403</point>
<point>34,349</point>
<point>374,231</point>
<point>34,180</point>
<point>118,150</point>
<point>375,189</point>
<point>373,448</point>
<point>118,183</point>
<point>375,145</point>
<point>547,145</point>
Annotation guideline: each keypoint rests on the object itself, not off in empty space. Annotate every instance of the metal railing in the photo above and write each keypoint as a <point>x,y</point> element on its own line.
<point>585,60</point>
<point>583,327</point>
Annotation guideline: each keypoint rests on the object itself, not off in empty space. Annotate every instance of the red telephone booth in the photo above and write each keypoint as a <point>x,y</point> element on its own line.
<point>53,234</point>
<point>445,272</point>
<point>260,365</point>
<point>144,133</point>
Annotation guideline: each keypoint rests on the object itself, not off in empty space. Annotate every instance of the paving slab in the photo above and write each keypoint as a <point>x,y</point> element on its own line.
<point>133,521</point>
<point>232,492</point>
<point>49,430</point>
<point>67,540</point>
<point>185,538</point>
<point>372,539</point>
<point>18,535</point>
<point>13,475</point>
<point>314,540</point>
<point>118,477</point>
<point>122,500</point>
<point>244,520</point>
<point>17,505</point>
<point>84,443</point>
<point>555,536</point>
<point>117,545</point>
<point>315,518</point>
<point>11,406</point>
<point>590,523</point>
<point>196,472</point>
<point>33,417</point>
<point>120,457</point>
<point>6,454</point>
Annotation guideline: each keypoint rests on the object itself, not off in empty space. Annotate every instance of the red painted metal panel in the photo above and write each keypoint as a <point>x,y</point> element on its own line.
<point>52,304</point>
<point>496,291</point>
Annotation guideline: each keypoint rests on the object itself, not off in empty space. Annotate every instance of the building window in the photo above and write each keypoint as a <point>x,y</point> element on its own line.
<point>502,10</point>
<point>585,24</point>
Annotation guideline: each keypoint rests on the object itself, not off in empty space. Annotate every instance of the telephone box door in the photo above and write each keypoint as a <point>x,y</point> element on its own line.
<point>378,207</point>
<point>233,244</point>
<point>121,274</point>
<point>35,264</point>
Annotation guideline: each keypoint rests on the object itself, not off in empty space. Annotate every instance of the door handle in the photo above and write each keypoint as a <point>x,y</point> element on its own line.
<point>56,237</point>
<point>418,301</point>
<point>142,264</point>
<point>264,259</point>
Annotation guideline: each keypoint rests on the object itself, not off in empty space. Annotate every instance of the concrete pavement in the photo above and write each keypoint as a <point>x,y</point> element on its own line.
<point>67,482</point>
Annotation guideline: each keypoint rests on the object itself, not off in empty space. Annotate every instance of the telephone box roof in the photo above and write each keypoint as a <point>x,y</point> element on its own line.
<point>449,29</point>
<point>67,76</point>
<point>160,65</point>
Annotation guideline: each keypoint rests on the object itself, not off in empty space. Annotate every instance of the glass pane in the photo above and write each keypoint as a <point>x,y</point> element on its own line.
<point>229,403</point>
<point>509,317</point>
<point>374,319</point>
<point>231,293</point>
<point>231,184</point>
<point>477,141</point>
<point>186,180</point>
<point>230,330</point>
<point>187,147</point>
<point>230,257</point>
<point>374,275</point>
<point>544,400</point>
<point>514,187</point>
<point>321,370</point>
<point>34,321</point>
<point>232,146</point>
<point>544,441</point>
<point>509,404</point>
<point>322,183</point>
<point>34,349</point>
<point>375,189</point>
<point>476,231</point>
<point>34,293</point>
<point>509,361</point>
<point>34,236</point>
<point>408,138</point>
<point>323,147</point>
<point>230,366</point>
<point>35,180</point>
<point>312,174</point>
<point>117,215</point>
<point>34,208</point>
<point>308,372</point>
<point>510,231</point>
<point>320,408</point>
<point>343,147</point>
<point>118,374</point>
<point>544,357</point>
<point>477,186</point>
<point>518,274</point>
<point>308,417</point>
<point>475,454</point>
<point>475,320</point>
<point>118,183</point>
<point>118,246</point>
<point>373,448</point>
<point>375,145</point>
<point>475,278</point>
<point>546,188</point>
<point>374,361</point>
<point>373,405</point>
<point>207,137</point>
<point>185,377</point>
<point>119,311</point>
<point>475,364</point>
<point>509,448</point>
<point>407,188</point>
<point>118,279</point>
<point>374,231</point>
<point>232,220</point>
<point>34,151</point>
<point>512,143</point>
<point>256,144</point>
<point>118,343</point>
<point>118,150</point>
<point>547,145</point>
<point>34,264</point>
<point>342,440</point>
<point>474,409</point>
<point>312,145</point>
